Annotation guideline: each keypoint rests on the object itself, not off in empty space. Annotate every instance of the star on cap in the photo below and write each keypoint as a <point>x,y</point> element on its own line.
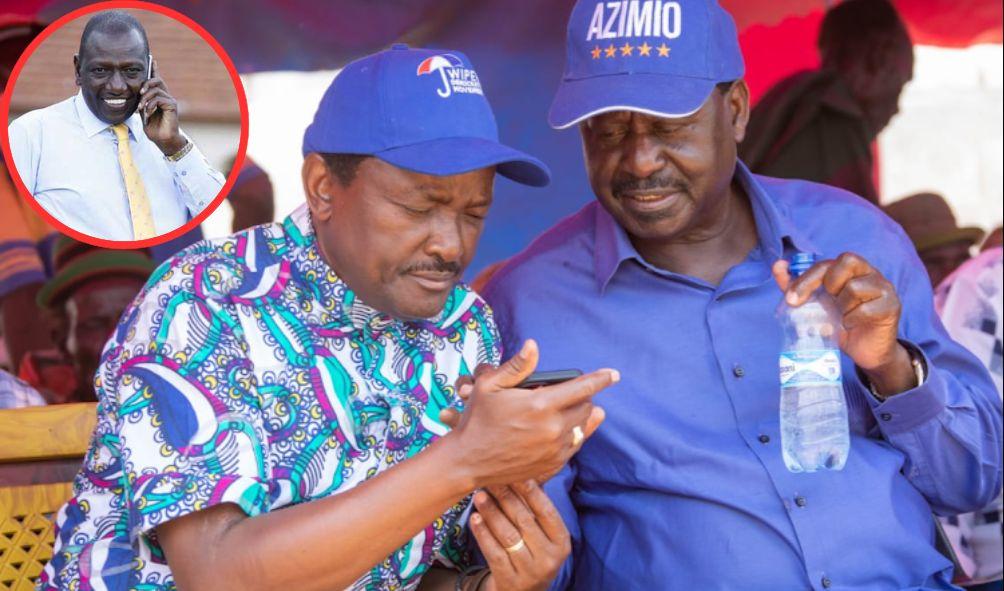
<point>596,52</point>
<point>611,51</point>
<point>644,49</point>
<point>626,49</point>
<point>663,50</point>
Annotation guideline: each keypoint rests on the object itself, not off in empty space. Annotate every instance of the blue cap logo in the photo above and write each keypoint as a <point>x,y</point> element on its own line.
<point>650,18</point>
<point>419,109</point>
<point>456,78</point>
<point>659,57</point>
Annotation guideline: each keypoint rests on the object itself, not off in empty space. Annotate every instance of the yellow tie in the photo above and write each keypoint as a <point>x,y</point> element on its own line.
<point>139,204</point>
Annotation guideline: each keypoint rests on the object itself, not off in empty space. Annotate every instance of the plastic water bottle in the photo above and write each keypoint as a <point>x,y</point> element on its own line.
<point>814,433</point>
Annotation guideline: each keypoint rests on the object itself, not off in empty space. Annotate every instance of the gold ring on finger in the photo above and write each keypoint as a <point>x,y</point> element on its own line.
<point>516,547</point>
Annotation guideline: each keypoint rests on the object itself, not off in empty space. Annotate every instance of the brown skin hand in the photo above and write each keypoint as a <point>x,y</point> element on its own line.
<point>668,183</point>
<point>505,435</point>
<point>401,240</point>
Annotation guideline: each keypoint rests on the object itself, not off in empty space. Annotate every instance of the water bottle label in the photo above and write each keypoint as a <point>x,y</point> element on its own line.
<point>820,367</point>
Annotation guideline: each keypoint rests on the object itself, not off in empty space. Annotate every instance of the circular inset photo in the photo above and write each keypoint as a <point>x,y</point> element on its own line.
<point>121,117</point>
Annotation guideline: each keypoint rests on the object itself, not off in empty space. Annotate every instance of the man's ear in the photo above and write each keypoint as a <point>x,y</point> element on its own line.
<point>739,104</point>
<point>318,186</point>
<point>76,68</point>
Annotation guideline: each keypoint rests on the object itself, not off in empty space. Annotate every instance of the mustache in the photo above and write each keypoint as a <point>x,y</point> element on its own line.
<point>436,265</point>
<point>633,184</point>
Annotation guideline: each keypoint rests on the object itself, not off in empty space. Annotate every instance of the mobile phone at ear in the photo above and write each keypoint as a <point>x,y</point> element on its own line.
<point>539,379</point>
<point>149,74</point>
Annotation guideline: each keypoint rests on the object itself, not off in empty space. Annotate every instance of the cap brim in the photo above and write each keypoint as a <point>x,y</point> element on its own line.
<point>653,94</point>
<point>970,235</point>
<point>448,156</point>
<point>98,264</point>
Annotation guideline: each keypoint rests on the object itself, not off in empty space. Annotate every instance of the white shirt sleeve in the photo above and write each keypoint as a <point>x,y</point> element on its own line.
<point>197,181</point>
<point>25,150</point>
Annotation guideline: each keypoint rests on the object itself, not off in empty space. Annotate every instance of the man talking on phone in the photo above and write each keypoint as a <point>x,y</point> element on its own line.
<point>112,161</point>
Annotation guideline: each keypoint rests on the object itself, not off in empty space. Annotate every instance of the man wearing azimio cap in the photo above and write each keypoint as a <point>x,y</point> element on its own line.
<point>672,275</point>
<point>310,366</point>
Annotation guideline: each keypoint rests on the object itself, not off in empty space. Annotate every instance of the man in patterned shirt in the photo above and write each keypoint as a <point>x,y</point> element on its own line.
<point>304,365</point>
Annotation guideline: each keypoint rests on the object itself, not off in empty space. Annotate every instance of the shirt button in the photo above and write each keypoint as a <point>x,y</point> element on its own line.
<point>827,583</point>
<point>885,416</point>
<point>764,438</point>
<point>184,173</point>
<point>738,371</point>
<point>800,501</point>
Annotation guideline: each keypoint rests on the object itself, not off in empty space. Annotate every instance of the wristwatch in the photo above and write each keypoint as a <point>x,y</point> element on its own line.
<point>919,370</point>
<point>180,153</point>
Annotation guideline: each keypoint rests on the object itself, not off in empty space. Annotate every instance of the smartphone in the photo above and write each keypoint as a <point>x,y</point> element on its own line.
<point>149,74</point>
<point>549,378</point>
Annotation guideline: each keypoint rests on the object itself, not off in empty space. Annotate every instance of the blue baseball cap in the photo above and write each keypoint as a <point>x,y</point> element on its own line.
<point>660,57</point>
<point>419,109</point>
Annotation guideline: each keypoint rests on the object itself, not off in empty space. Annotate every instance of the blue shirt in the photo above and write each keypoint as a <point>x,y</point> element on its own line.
<point>683,486</point>
<point>68,160</point>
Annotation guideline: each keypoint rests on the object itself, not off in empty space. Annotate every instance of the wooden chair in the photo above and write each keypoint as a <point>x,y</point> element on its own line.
<point>41,449</point>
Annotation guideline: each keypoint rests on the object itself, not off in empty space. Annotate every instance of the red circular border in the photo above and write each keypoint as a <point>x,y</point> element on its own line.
<point>241,99</point>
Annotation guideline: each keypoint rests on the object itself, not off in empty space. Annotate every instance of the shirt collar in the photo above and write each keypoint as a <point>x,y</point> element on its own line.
<point>93,125</point>
<point>777,235</point>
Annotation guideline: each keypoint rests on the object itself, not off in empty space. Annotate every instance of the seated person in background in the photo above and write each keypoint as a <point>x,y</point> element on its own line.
<point>304,365</point>
<point>818,125</point>
<point>251,198</point>
<point>25,243</point>
<point>94,163</point>
<point>16,393</point>
<point>970,303</point>
<point>88,292</point>
<point>993,239</point>
<point>25,238</point>
<point>930,223</point>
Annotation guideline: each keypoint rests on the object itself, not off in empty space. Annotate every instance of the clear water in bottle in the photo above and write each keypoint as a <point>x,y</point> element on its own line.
<point>814,433</point>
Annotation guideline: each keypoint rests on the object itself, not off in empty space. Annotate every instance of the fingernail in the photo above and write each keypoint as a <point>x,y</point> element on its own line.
<point>480,498</point>
<point>615,376</point>
<point>530,484</point>
<point>524,353</point>
<point>791,298</point>
<point>466,389</point>
<point>475,519</point>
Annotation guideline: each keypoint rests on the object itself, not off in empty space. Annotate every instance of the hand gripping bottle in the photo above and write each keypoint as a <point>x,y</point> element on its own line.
<point>814,432</point>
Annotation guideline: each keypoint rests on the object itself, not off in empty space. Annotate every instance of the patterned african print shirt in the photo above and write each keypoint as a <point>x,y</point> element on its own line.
<point>246,372</point>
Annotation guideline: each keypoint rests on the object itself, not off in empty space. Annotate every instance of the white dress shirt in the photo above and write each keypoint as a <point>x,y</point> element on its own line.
<point>68,159</point>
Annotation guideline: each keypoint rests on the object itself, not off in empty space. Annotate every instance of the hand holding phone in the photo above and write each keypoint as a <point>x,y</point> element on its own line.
<point>508,433</point>
<point>539,379</point>
<point>159,111</point>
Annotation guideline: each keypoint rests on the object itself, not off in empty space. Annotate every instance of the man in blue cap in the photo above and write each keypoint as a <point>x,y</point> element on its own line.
<point>673,277</point>
<point>309,366</point>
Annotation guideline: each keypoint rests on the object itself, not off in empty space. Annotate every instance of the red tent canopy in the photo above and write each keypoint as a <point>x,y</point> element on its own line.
<point>778,35</point>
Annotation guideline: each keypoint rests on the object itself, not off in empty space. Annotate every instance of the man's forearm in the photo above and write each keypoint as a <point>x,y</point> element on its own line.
<point>329,543</point>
